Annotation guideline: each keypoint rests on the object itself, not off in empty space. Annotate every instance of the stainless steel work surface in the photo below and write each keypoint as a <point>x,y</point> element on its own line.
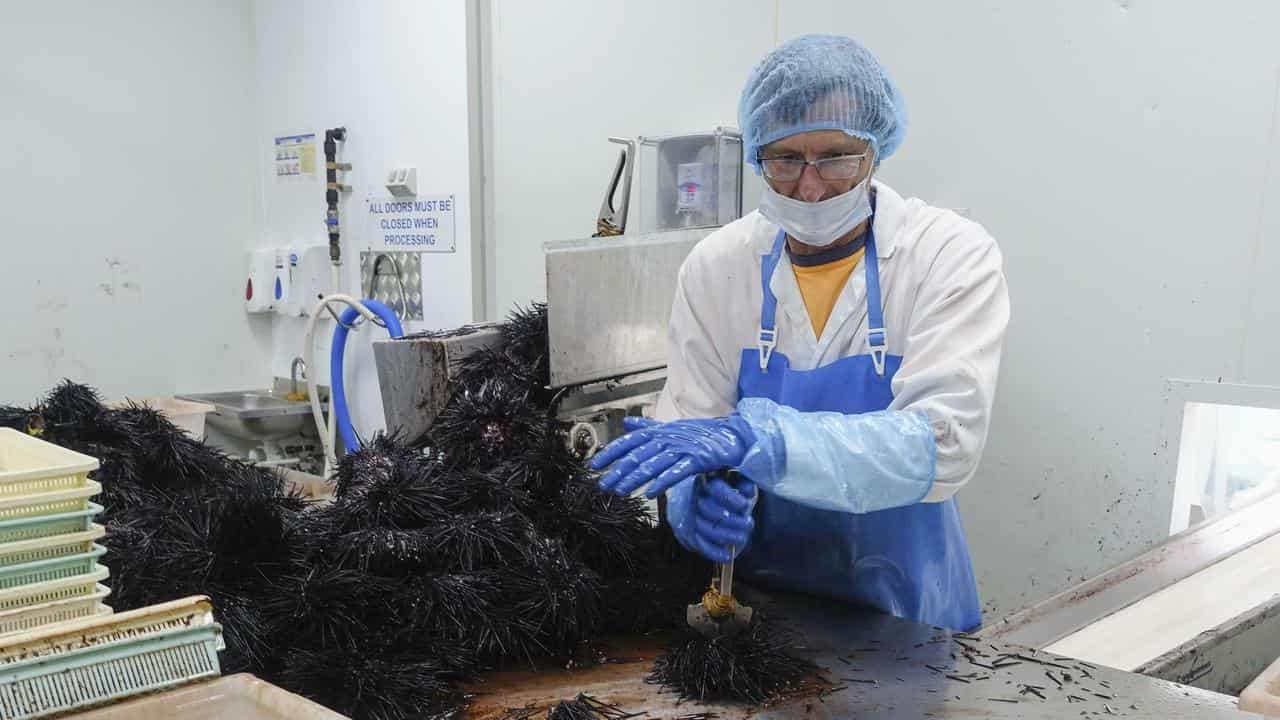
<point>880,667</point>
<point>609,300</point>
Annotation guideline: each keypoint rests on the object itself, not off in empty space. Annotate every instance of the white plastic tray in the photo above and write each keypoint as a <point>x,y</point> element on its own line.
<point>54,502</point>
<point>30,617</point>
<point>187,415</point>
<point>29,465</point>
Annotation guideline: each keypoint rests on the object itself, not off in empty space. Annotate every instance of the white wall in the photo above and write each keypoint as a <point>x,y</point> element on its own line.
<point>566,75</point>
<point>1123,153</point>
<point>126,197</point>
<point>394,73</point>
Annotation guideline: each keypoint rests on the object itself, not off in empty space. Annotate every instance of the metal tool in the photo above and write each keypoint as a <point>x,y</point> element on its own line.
<point>612,220</point>
<point>719,613</point>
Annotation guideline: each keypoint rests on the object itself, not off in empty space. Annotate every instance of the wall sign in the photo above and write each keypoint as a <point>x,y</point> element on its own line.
<point>295,157</point>
<point>418,224</point>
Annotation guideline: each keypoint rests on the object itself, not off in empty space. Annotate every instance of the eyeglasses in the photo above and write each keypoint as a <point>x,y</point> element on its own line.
<point>789,169</point>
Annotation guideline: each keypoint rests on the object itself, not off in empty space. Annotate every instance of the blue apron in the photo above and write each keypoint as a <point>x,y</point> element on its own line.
<point>912,561</point>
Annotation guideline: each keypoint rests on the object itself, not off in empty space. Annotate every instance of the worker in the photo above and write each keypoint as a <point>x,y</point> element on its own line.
<point>839,348</point>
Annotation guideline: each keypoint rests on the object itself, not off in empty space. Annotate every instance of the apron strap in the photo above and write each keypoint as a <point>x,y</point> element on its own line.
<point>877,336</point>
<point>767,337</point>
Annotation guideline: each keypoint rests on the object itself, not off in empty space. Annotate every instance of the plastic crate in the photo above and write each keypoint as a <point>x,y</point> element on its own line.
<point>46,592</point>
<point>188,416</point>
<point>24,619</point>
<point>51,547</point>
<point>52,569</point>
<point>235,697</point>
<point>30,528</point>
<point>56,502</point>
<point>82,663</point>
<point>30,466</point>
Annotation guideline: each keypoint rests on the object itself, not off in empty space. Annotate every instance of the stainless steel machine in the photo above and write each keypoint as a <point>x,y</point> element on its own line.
<point>608,302</point>
<point>608,297</point>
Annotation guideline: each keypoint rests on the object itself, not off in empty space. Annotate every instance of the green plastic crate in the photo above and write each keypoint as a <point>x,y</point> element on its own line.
<point>33,528</point>
<point>51,547</point>
<point>46,592</point>
<point>52,569</point>
<point>79,664</point>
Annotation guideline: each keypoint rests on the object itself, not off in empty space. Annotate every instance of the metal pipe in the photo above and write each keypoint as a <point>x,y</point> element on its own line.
<point>726,574</point>
<point>293,374</point>
<point>332,137</point>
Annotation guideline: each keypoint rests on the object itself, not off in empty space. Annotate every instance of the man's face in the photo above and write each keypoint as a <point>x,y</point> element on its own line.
<point>816,145</point>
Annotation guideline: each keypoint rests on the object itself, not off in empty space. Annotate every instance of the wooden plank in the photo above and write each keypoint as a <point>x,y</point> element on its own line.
<point>1183,555</point>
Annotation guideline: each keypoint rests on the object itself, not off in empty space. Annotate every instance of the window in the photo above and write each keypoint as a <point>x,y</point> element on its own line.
<point>1228,457</point>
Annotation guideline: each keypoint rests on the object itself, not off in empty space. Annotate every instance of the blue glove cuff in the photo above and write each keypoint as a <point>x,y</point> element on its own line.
<point>766,456</point>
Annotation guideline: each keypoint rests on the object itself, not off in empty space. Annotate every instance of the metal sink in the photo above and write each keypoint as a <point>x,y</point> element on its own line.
<point>254,414</point>
<point>251,404</point>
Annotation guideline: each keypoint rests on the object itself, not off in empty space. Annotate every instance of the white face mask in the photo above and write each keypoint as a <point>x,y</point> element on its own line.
<point>818,224</point>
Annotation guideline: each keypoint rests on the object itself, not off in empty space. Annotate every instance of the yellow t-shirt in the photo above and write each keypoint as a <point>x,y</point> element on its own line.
<point>821,285</point>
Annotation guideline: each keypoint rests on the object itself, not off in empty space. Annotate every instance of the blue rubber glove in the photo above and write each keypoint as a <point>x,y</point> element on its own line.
<point>711,517</point>
<point>634,422</point>
<point>660,455</point>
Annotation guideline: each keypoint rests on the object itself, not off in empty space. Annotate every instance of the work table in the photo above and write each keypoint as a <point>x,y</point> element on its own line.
<point>878,667</point>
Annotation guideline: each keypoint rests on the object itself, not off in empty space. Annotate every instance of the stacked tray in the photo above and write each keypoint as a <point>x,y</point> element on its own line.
<point>49,556</point>
<point>92,661</point>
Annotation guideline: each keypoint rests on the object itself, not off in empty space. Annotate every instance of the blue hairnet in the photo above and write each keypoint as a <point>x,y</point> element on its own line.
<point>821,82</point>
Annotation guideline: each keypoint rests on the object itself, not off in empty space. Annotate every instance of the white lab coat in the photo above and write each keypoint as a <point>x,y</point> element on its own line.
<point>946,307</point>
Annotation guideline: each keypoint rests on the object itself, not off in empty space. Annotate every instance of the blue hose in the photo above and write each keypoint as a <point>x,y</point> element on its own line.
<point>340,412</point>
